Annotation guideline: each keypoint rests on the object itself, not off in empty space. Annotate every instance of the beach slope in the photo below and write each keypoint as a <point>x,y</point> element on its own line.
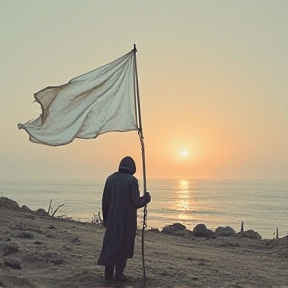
<point>37,250</point>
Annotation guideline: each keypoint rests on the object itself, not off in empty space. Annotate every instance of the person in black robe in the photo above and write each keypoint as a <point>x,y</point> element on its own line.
<point>120,201</point>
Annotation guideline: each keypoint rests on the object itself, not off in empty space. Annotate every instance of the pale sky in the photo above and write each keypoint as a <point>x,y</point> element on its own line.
<point>213,79</point>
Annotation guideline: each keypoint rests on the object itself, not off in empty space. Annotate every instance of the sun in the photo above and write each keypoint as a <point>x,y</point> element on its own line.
<point>184,153</point>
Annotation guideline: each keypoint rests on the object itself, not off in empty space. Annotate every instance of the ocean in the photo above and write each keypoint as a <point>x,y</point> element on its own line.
<point>261,205</point>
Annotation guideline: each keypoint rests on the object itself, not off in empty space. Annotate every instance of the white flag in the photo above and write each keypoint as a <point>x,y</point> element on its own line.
<point>97,102</point>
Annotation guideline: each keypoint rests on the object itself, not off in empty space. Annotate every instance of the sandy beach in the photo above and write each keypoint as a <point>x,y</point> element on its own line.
<point>37,250</point>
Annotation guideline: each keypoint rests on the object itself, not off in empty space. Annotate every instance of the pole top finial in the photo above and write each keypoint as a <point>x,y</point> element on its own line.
<point>135,49</point>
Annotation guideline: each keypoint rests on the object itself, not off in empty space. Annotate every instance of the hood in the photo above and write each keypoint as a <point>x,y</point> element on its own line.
<point>127,164</point>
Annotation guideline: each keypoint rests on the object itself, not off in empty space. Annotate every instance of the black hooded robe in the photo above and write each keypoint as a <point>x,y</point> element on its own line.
<point>120,201</point>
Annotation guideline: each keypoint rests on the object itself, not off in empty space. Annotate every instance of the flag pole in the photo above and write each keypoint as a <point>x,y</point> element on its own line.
<point>141,137</point>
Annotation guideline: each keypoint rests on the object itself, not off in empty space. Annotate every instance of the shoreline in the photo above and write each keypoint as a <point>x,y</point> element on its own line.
<point>51,252</point>
<point>150,225</point>
<point>263,218</point>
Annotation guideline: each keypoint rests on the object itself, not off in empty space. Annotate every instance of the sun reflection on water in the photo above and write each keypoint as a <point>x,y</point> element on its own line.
<point>183,202</point>
<point>183,185</point>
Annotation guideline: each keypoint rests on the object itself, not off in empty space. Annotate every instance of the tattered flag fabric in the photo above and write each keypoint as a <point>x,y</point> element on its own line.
<point>97,102</point>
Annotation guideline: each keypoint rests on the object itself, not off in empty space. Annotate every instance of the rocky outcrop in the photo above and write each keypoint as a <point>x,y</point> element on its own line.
<point>8,203</point>
<point>225,231</point>
<point>24,208</point>
<point>41,212</point>
<point>176,229</point>
<point>200,230</point>
<point>250,234</point>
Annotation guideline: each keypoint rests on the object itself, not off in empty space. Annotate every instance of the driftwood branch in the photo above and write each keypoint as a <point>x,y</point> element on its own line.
<point>49,207</point>
<point>57,209</point>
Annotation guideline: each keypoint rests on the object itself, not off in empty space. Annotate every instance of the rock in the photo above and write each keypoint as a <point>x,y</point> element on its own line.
<point>41,212</point>
<point>24,208</point>
<point>176,229</point>
<point>8,203</point>
<point>179,226</point>
<point>225,231</point>
<point>250,234</point>
<point>9,248</point>
<point>15,264</point>
<point>200,230</point>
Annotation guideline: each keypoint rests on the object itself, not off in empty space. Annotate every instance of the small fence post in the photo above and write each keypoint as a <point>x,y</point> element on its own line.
<point>242,226</point>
